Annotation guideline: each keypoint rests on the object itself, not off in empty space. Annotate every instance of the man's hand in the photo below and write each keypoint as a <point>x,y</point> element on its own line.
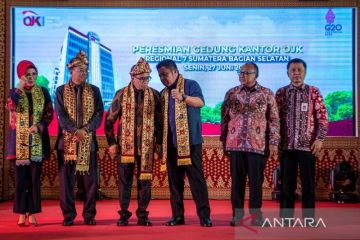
<point>79,135</point>
<point>113,150</point>
<point>226,153</point>
<point>33,129</point>
<point>158,152</point>
<point>273,151</point>
<point>316,147</point>
<point>175,93</point>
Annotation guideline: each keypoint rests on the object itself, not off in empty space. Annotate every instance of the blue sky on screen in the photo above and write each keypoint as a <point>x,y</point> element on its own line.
<point>329,58</point>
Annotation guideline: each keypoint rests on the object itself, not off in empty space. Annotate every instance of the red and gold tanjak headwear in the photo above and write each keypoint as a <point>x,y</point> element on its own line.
<point>140,67</point>
<point>79,60</point>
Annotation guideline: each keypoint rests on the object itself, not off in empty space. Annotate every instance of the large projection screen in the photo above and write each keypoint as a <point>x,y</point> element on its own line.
<point>208,44</point>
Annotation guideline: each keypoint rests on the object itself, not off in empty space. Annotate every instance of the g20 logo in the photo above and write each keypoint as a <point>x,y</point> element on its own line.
<point>31,19</point>
<point>330,29</point>
<point>333,27</point>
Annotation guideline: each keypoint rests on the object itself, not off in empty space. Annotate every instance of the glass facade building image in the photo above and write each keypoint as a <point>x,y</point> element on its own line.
<point>101,72</point>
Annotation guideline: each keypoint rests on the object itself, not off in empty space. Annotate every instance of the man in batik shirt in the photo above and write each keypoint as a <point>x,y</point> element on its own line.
<point>249,133</point>
<point>79,108</point>
<point>304,125</point>
<point>137,106</point>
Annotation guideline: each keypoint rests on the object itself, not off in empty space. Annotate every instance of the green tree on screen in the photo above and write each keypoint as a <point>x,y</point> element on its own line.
<point>339,105</point>
<point>43,82</point>
<point>345,111</point>
<point>211,115</point>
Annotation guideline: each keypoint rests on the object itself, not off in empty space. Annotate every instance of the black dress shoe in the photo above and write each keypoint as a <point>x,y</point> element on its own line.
<point>67,222</point>
<point>235,221</point>
<point>176,221</point>
<point>122,222</point>
<point>144,222</point>
<point>205,222</point>
<point>90,221</point>
<point>124,217</point>
<point>259,223</point>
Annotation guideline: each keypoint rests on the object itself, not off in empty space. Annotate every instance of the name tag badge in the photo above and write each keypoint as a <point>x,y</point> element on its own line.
<point>304,107</point>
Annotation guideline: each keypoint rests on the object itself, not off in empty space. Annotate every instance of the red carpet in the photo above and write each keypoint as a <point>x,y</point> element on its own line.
<point>50,223</point>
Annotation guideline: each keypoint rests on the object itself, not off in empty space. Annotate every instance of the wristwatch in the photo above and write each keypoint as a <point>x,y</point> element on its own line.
<point>184,97</point>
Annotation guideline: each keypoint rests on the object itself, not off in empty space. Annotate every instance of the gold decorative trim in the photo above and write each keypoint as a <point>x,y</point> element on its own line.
<point>2,99</point>
<point>184,3</point>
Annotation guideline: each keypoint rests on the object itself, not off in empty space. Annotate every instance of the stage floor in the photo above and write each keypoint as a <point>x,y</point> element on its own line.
<point>50,223</point>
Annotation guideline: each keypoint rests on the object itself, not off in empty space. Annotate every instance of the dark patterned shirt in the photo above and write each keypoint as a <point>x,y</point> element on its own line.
<point>66,124</point>
<point>115,113</point>
<point>303,116</point>
<point>249,120</point>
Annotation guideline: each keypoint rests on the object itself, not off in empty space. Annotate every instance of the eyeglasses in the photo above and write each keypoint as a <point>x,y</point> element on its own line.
<point>144,79</point>
<point>81,70</point>
<point>247,73</point>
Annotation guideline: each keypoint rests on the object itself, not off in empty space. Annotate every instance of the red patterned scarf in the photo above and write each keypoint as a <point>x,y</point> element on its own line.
<point>147,131</point>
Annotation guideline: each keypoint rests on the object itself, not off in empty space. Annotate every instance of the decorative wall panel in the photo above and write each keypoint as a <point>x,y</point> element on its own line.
<point>216,169</point>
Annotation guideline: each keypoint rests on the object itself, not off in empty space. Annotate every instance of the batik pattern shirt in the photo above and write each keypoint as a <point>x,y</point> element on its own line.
<point>249,120</point>
<point>303,117</point>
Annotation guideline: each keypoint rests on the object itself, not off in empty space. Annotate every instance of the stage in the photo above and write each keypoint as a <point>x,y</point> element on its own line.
<point>50,227</point>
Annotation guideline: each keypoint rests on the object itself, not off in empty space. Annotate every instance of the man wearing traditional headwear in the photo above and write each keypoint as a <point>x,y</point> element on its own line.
<point>31,112</point>
<point>137,106</point>
<point>79,108</point>
<point>182,100</point>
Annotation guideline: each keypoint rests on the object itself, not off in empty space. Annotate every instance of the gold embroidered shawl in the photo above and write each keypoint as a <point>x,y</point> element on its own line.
<point>181,125</point>
<point>128,119</point>
<point>29,147</point>
<point>78,152</point>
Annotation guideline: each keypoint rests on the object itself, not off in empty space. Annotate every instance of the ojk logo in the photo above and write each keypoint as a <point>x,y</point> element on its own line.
<point>31,18</point>
<point>331,27</point>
